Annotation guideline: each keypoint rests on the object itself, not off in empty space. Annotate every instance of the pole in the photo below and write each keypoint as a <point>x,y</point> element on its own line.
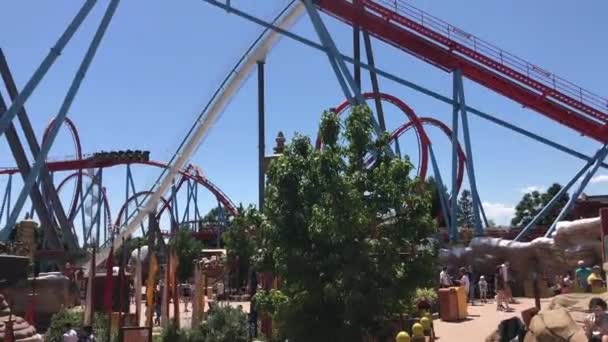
<point>469,164</point>
<point>453,231</point>
<point>261,136</point>
<point>357,47</point>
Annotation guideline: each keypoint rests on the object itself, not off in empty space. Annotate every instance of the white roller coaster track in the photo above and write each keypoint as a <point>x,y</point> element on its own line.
<point>268,39</point>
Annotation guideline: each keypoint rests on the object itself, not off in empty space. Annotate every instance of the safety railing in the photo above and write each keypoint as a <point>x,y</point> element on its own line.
<point>498,55</point>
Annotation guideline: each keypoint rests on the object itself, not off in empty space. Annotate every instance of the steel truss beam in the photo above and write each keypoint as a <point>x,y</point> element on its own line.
<point>6,198</point>
<point>63,111</point>
<point>34,193</point>
<point>443,201</point>
<point>399,80</point>
<point>594,164</point>
<point>44,67</point>
<point>47,181</point>
<point>478,211</point>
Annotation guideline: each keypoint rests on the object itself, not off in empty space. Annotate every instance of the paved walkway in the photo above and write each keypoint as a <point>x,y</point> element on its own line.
<point>481,322</point>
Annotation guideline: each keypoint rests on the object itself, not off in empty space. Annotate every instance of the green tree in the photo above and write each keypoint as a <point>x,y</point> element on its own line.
<point>241,245</point>
<point>432,187</point>
<point>187,248</point>
<point>533,202</point>
<point>465,216</point>
<point>350,242</point>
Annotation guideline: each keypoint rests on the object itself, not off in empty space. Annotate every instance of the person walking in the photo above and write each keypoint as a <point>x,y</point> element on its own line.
<point>483,289</point>
<point>581,274</point>
<point>472,284</point>
<point>499,285</point>
<point>464,280</point>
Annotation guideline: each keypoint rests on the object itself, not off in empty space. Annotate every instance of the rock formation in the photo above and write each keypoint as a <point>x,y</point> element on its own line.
<point>22,330</point>
<point>54,291</point>
<point>572,241</point>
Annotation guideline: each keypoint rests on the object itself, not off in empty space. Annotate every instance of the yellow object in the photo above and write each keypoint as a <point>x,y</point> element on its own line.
<point>417,330</point>
<point>426,323</point>
<point>402,336</point>
<point>462,302</point>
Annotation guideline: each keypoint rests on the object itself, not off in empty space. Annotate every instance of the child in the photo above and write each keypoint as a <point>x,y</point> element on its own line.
<point>483,289</point>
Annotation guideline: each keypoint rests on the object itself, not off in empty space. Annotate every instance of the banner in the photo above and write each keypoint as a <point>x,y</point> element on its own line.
<point>151,287</point>
<point>89,308</point>
<point>137,287</point>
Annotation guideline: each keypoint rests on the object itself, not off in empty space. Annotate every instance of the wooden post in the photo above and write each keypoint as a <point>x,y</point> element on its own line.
<point>604,234</point>
<point>536,292</point>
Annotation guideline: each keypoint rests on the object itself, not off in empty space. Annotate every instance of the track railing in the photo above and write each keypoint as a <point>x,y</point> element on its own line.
<point>475,48</point>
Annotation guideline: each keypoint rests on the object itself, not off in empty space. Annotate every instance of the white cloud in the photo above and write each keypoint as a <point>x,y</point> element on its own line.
<point>599,179</point>
<point>499,212</point>
<point>532,188</point>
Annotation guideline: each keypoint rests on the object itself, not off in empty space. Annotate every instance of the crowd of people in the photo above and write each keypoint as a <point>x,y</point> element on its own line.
<point>585,279</point>
<point>478,284</point>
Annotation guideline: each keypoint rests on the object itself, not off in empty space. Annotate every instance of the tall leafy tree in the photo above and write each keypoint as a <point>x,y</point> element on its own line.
<point>432,187</point>
<point>465,214</point>
<point>240,241</point>
<point>188,248</point>
<point>533,202</point>
<point>349,240</point>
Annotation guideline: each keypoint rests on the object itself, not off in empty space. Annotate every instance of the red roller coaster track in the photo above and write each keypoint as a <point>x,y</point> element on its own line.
<point>450,48</point>
<point>191,172</point>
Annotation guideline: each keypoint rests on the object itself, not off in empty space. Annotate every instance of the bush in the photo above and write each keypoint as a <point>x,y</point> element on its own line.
<point>173,334</point>
<point>224,324</point>
<point>60,321</point>
<point>424,299</point>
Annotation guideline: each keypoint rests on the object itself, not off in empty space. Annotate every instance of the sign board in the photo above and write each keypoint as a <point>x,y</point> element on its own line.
<point>136,334</point>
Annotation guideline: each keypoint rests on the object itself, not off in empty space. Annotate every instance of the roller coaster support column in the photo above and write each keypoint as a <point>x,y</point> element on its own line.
<point>443,201</point>
<point>6,199</point>
<point>30,137</point>
<point>37,199</point>
<point>63,111</point>
<point>131,185</point>
<point>357,47</point>
<point>261,137</point>
<point>347,83</point>
<point>453,227</point>
<point>175,225</point>
<point>44,67</point>
<point>600,158</point>
<point>478,211</point>
<point>558,196</point>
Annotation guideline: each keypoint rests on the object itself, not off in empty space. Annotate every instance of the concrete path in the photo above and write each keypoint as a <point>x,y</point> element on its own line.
<point>481,322</point>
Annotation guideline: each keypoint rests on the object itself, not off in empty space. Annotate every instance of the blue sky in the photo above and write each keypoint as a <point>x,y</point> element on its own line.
<point>160,62</point>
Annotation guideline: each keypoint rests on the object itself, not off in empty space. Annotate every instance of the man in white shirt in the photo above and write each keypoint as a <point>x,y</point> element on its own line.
<point>444,278</point>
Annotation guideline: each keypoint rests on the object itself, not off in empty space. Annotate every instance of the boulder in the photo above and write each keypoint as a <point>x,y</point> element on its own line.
<point>554,326</point>
<point>22,330</point>
<point>53,291</point>
<point>572,241</point>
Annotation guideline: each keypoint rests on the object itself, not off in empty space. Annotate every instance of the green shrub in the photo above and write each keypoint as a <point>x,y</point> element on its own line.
<point>173,334</point>
<point>60,322</point>
<point>61,319</point>
<point>224,324</point>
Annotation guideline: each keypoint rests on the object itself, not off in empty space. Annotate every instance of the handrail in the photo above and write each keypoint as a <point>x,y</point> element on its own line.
<point>597,105</point>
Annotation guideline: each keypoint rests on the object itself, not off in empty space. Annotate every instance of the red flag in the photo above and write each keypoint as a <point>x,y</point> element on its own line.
<point>108,286</point>
<point>31,306</point>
